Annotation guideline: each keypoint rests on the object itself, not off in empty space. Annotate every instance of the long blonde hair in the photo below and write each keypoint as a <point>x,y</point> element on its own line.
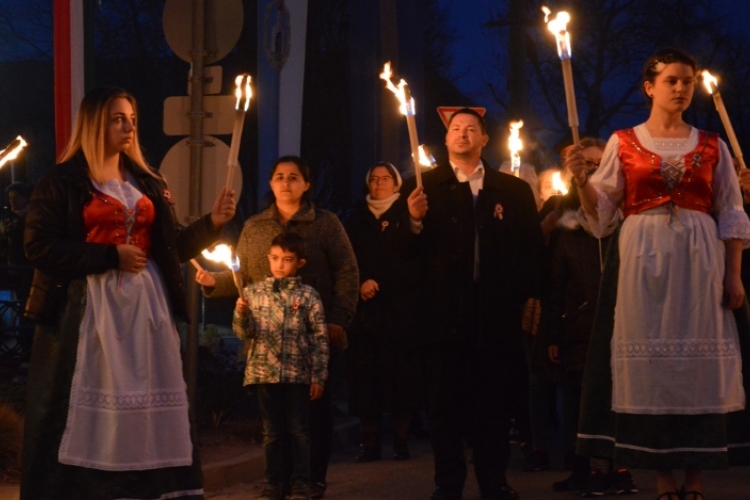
<point>89,133</point>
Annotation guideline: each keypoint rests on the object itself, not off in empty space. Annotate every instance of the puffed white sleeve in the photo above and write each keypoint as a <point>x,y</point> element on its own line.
<point>728,210</point>
<point>609,182</point>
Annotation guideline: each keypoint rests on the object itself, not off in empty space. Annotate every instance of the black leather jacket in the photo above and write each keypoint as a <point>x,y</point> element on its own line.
<point>55,239</point>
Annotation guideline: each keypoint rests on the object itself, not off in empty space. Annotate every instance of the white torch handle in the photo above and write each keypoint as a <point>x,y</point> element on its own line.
<point>570,99</point>
<point>722,109</point>
<point>411,123</point>
<point>234,148</point>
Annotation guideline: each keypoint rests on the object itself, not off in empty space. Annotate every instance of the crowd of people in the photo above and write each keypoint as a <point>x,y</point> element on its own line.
<point>474,296</point>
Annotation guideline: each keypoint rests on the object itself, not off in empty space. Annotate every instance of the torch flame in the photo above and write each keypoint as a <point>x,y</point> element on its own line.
<point>514,141</point>
<point>515,145</point>
<point>12,151</point>
<point>406,106</point>
<point>425,158</point>
<point>224,254</point>
<point>708,79</point>
<point>558,184</point>
<point>547,12</point>
<point>559,26</point>
<point>243,91</point>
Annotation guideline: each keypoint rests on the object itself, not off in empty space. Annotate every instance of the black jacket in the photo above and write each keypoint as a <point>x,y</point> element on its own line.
<point>573,292</point>
<point>55,239</point>
<point>510,250</point>
<point>376,244</point>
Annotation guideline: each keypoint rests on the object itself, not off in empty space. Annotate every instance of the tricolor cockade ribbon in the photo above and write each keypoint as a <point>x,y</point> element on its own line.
<point>499,211</point>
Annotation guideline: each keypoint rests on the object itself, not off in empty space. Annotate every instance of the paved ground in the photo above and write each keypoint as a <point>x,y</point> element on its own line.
<point>390,480</point>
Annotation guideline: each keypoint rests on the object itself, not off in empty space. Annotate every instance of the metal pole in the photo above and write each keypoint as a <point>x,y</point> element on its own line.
<point>196,149</point>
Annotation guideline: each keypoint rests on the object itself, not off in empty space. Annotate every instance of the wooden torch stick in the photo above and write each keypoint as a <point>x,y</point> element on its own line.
<point>411,124</point>
<point>570,99</point>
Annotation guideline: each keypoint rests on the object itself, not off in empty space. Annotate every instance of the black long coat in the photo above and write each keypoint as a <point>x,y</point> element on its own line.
<point>504,220</point>
<point>573,294</point>
<point>382,365</point>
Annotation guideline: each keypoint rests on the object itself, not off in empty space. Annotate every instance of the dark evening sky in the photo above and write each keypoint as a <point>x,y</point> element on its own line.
<point>474,49</point>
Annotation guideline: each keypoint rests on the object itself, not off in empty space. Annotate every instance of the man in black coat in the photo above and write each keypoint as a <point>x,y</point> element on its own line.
<point>480,244</point>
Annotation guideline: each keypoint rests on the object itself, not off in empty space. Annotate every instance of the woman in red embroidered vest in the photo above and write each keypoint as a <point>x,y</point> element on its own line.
<point>675,372</point>
<point>107,414</point>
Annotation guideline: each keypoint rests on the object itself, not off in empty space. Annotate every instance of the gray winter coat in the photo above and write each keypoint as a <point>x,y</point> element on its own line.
<point>331,267</point>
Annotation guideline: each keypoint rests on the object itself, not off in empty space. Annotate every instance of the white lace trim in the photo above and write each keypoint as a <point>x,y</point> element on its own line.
<point>733,223</point>
<point>698,348</point>
<point>94,398</point>
<point>671,144</point>
<point>661,410</point>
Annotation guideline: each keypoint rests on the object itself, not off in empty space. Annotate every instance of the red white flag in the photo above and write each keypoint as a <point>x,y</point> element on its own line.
<point>69,66</point>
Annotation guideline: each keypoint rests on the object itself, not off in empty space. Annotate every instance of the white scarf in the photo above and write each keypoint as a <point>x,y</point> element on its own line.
<point>379,207</point>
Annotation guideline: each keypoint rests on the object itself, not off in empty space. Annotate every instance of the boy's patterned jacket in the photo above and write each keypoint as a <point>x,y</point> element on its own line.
<point>287,327</point>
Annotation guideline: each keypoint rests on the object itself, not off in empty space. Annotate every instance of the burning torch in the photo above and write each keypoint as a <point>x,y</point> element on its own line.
<point>408,109</point>
<point>12,151</point>
<point>515,145</point>
<point>225,254</point>
<point>243,92</point>
<point>711,85</point>
<point>558,26</point>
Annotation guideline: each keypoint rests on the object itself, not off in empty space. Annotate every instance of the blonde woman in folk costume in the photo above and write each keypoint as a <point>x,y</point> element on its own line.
<point>672,392</point>
<point>107,415</point>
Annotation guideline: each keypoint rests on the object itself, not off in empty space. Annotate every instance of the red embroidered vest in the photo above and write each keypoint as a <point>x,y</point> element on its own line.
<point>644,184</point>
<point>106,221</point>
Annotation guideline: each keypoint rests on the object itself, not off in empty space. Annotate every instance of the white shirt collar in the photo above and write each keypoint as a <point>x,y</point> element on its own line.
<point>478,172</point>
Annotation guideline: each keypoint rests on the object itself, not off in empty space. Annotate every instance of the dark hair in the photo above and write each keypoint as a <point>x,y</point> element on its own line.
<point>665,56</point>
<point>304,169</point>
<point>593,142</point>
<point>19,187</point>
<point>290,242</point>
<point>469,111</point>
<point>389,167</point>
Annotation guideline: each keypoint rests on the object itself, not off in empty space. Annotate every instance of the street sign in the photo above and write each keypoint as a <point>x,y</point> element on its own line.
<point>219,119</point>
<point>446,112</point>
<point>224,19</point>
<point>175,168</point>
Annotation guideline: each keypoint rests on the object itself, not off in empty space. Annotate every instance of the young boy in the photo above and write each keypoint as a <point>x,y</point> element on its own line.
<point>287,361</point>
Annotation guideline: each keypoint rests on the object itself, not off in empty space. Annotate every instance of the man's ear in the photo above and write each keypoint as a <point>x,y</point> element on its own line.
<point>301,263</point>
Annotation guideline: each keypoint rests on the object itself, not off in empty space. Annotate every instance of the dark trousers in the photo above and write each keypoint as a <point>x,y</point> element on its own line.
<point>372,424</point>
<point>285,412</point>
<point>321,436</point>
<point>571,389</point>
<point>468,397</point>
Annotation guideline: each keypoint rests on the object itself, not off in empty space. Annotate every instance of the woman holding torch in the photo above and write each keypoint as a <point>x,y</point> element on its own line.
<point>107,415</point>
<point>673,388</point>
<point>331,269</point>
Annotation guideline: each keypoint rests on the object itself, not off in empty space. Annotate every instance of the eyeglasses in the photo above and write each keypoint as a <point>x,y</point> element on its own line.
<point>378,180</point>
<point>592,165</point>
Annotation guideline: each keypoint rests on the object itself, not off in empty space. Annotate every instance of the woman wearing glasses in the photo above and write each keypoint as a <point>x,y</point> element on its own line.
<point>675,379</point>
<point>383,370</point>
